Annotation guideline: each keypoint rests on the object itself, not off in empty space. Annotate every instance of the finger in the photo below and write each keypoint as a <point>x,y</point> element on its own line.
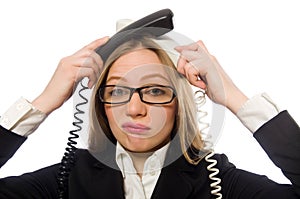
<point>185,57</point>
<point>190,55</point>
<point>192,46</point>
<point>88,63</point>
<point>202,45</point>
<point>180,65</point>
<point>190,73</point>
<point>98,60</point>
<point>96,43</point>
<point>195,81</point>
<point>201,84</point>
<point>86,72</point>
<point>202,66</point>
<point>88,58</point>
<point>193,77</point>
<point>78,68</point>
<point>198,46</point>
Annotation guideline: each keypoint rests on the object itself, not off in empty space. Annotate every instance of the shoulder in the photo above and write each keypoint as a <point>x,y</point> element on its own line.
<point>222,160</point>
<point>209,162</point>
<point>87,159</point>
<point>218,161</point>
<point>83,156</point>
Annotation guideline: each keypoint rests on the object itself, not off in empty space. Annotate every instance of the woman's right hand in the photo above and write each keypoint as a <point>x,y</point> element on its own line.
<point>70,70</point>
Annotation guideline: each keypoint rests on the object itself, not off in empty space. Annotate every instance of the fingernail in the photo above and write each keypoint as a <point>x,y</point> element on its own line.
<point>177,48</point>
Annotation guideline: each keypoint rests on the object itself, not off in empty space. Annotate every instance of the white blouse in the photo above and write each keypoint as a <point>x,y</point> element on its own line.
<point>134,186</point>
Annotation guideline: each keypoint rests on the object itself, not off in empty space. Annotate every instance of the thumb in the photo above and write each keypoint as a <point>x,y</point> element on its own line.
<point>98,42</point>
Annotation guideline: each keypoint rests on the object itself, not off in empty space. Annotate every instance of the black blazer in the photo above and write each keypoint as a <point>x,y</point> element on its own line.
<point>90,178</point>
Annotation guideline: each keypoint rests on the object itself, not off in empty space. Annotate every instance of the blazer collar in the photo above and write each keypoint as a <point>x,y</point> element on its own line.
<point>174,180</point>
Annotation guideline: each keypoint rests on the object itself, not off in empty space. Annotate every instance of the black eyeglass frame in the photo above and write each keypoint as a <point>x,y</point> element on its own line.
<point>134,90</point>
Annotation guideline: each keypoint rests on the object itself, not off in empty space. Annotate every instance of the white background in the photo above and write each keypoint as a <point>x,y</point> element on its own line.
<point>257,42</point>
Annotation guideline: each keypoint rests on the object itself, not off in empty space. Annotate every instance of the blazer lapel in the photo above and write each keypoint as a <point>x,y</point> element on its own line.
<point>93,178</point>
<point>109,174</point>
<point>109,182</point>
<point>99,177</point>
<point>173,181</point>
<point>180,179</point>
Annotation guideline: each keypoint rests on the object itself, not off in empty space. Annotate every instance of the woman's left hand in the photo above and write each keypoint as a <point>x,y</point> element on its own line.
<point>204,71</point>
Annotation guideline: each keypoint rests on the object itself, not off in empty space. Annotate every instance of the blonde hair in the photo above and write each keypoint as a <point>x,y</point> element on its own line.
<point>185,126</point>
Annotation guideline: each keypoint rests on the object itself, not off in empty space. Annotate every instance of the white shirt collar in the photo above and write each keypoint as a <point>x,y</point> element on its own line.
<point>153,163</point>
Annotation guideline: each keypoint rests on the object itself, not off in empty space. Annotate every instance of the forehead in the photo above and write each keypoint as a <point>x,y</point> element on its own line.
<point>137,57</point>
<point>141,65</point>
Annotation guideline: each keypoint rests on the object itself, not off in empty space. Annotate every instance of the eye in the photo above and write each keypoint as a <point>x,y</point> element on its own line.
<point>117,91</point>
<point>155,91</point>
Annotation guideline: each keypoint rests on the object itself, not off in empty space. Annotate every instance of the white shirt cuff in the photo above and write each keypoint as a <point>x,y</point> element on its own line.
<point>22,118</point>
<point>257,111</point>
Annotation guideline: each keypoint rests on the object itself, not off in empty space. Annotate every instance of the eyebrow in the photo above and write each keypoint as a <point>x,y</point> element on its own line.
<point>115,78</point>
<point>152,75</point>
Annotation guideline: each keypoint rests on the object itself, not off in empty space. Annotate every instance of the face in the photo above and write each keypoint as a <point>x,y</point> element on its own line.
<point>138,126</point>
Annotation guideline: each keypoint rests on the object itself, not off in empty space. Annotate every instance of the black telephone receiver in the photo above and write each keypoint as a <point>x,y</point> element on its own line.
<point>155,24</point>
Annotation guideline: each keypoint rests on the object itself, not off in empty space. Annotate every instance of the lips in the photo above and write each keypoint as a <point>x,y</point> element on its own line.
<point>135,128</point>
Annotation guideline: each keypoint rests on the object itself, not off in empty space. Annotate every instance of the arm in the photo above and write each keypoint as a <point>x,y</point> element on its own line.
<point>16,125</point>
<point>237,183</point>
<point>30,185</point>
<point>23,117</point>
<point>72,69</point>
<point>204,71</point>
<point>9,144</point>
<point>279,137</point>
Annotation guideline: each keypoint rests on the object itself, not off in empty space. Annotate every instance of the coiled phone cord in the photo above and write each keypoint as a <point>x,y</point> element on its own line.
<point>68,159</point>
<point>215,185</point>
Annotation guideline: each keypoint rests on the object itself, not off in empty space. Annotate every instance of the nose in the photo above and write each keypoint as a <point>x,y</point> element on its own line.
<point>135,107</point>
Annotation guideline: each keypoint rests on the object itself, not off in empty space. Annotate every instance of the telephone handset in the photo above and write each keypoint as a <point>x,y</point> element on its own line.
<point>155,24</point>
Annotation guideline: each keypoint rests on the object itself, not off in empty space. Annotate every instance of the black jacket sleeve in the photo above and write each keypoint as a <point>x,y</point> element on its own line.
<point>35,185</point>
<point>280,138</point>
<point>9,144</point>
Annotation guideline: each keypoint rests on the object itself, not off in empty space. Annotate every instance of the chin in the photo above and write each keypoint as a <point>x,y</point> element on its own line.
<point>137,144</point>
<point>139,149</point>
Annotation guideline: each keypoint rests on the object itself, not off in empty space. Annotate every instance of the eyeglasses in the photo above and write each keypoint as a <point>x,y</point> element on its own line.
<point>154,94</point>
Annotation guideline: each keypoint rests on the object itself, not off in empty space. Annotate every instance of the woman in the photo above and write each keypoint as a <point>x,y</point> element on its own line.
<point>144,138</point>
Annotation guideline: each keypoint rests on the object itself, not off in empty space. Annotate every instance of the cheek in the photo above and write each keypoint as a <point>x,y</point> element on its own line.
<point>161,119</point>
